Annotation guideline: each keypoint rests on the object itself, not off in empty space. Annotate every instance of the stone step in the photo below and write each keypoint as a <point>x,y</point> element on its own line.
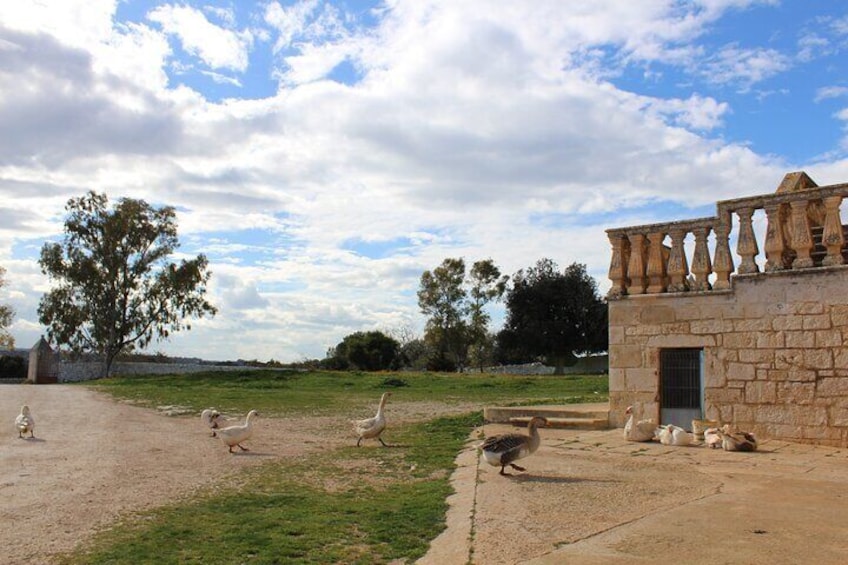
<point>577,416</point>
<point>570,423</point>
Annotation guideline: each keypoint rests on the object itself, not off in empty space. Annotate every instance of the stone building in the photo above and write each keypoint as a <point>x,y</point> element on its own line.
<point>759,345</point>
<point>43,364</point>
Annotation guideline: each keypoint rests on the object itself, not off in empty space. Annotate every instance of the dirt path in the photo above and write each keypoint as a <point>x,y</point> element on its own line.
<point>93,459</point>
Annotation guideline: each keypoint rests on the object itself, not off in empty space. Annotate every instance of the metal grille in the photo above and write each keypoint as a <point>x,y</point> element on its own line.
<point>680,374</point>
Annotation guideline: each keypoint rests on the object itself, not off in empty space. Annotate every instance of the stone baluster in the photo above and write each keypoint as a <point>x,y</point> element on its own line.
<point>746,246</point>
<point>678,268</point>
<point>618,265</point>
<point>832,236</point>
<point>656,270</point>
<point>800,236</point>
<point>636,266</point>
<point>723,263</point>
<point>775,244</point>
<point>701,266</point>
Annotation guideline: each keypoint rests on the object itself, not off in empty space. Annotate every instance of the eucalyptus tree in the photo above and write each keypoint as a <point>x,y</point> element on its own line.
<point>457,323</point>
<point>7,314</point>
<point>441,297</point>
<point>114,287</point>
<point>486,285</point>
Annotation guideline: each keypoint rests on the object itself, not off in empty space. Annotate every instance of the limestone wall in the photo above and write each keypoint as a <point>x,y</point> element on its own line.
<point>775,359</point>
<point>87,371</point>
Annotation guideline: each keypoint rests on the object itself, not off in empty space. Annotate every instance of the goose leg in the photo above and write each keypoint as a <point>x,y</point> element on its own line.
<point>516,467</point>
<point>383,442</point>
<point>242,448</point>
<point>358,442</point>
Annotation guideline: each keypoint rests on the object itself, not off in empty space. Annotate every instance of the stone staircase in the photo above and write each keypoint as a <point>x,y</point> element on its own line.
<point>572,416</point>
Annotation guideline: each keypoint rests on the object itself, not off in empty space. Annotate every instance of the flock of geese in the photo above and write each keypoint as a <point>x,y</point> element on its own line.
<point>233,434</point>
<point>724,437</point>
<point>499,451</point>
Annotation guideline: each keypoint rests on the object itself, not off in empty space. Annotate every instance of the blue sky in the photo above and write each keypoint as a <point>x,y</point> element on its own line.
<point>323,154</point>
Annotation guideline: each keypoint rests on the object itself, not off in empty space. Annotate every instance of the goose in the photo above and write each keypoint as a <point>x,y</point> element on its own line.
<point>234,435</point>
<point>504,449</point>
<point>737,441</point>
<point>712,439</point>
<point>212,418</point>
<point>673,435</point>
<point>371,428</point>
<point>24,422</point>
<point>638,430</point>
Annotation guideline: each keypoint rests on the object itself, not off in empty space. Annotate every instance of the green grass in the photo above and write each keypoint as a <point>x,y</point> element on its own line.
<point>348,505</point>
<point>279,393</point>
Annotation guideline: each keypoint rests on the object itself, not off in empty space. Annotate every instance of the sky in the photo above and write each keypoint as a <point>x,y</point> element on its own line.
<point>324,154</point>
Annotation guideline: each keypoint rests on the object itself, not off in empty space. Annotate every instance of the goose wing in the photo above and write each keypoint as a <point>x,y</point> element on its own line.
<point>370,426</point>
<point>503,443</point>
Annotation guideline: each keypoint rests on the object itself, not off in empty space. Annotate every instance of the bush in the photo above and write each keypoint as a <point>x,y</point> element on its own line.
<point>13,367</point>
<point>367,351</point>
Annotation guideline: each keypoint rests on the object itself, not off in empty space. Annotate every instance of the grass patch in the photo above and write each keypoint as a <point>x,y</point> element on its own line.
<point>279,393</point>
<point>347,505</point>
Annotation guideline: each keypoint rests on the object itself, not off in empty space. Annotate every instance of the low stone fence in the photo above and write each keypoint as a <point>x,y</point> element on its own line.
<point>87,371</point>
<point>593,365</point>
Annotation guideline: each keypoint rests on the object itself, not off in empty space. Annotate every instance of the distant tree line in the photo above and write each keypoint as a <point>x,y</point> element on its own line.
<point>114,291</point>
<point>552,316</point>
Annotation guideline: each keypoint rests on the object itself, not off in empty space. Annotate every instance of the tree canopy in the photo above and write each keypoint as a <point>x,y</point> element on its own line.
<point>366,351</point>
<point>114,289</point>
<point>554,315</point>
<point>6,316</point>
<point>458,325</point>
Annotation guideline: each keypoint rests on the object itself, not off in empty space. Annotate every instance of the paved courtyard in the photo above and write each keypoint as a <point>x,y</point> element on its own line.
<point>590,498</point>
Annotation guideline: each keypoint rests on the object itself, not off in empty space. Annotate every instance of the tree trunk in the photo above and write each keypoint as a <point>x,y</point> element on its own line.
<point>562,361</point>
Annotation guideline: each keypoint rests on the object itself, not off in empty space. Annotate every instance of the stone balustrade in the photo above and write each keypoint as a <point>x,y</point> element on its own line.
<point>803,230</point>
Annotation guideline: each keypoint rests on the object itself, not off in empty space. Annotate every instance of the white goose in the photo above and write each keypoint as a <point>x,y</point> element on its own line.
<point>502,450</point>
<point>673,435</point>
<point>371,428</point>
<point>212,419</point>
<point>234,435</point>
<point>712,439</point>
<point>24,422</point>
<point>638,429</point>
<point>737,441</point>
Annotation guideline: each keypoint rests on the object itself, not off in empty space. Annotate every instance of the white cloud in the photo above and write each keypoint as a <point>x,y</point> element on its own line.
<point>218,47</point>
<point>827,92</point>
<point>744,67</point>
<point>472,130</point>
<point>289,22</point>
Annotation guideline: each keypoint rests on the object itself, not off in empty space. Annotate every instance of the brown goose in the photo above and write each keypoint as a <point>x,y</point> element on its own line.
<point>737,441</point>
<point>504,449</point>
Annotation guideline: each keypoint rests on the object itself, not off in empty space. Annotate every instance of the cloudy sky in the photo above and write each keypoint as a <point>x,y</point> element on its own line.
<point>323,154</point>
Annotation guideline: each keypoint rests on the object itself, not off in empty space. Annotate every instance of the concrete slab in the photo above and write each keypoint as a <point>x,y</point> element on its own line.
<point>590,497</point>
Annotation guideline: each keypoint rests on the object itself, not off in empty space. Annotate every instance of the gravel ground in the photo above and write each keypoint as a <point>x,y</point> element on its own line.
<point>587,498</point>
<point>94,460</point>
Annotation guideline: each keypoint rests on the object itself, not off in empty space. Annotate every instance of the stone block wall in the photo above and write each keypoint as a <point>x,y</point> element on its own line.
<point>87,371</point>
<point>775,359</point>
